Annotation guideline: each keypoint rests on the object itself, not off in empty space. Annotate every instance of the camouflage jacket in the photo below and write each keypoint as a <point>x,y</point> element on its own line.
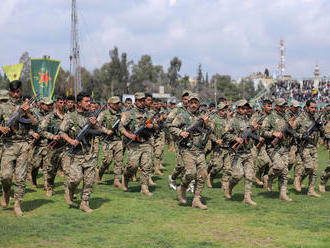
<point>235,128</point>
<point>107,118</point>
<point>301,125</point>
<point>135,118</point>
<point>219,124</point>
<point>20,131</point>
<point>180,124</point>
<point>72,124</point>
<point>50,126</point>
<point>275,122</point>
<point>40,115</point>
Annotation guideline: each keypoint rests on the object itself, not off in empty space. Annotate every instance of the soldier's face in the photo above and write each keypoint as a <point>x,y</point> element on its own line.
<point>148,101</point>
<point>154,106</point>
<point>60,104</point>
<point>223,112</point>
<point>268,108</point>
<point>84,104</point>
<point>185,100</point>
<point>312,108</point>
<point>115,106</point>
<point>139,103</point>
<point>16,93</point>
<point>193,104</point>
<point>241,110</point>
<point>70,104</point>
<point>128,103</point>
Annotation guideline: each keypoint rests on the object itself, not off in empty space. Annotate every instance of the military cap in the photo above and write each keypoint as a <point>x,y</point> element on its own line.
<point>203,104</point>
<point>194,96</point>
<point>222,106</point>
<point>115,99</point>
<point>186,92</point>
<point>4,95</point>
<point>139,95</point>
<point>280,102</point>
<point>295,103</point>
<point>241,103</point>
<point>46,100</point>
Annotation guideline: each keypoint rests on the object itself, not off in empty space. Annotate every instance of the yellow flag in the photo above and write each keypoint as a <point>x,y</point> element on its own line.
<point>13,72</point>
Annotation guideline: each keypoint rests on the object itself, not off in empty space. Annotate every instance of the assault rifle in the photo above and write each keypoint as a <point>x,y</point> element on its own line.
<point>114,129</point>
<point>87,129</point>
<point>315,126</point>
<point>249,133</point>
<point>142,131</point>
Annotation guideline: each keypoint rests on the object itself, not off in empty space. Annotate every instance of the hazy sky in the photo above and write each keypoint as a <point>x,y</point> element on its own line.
<point>235,37</point>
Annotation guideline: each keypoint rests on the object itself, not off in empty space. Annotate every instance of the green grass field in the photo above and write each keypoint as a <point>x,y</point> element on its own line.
<point>134,220</point>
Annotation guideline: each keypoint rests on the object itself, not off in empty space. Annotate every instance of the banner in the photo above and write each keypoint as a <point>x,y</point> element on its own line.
<point>13,72</point>
<point>43,76</point>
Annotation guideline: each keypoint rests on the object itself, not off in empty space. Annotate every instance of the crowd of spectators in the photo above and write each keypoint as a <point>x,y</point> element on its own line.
<point>301,90</point>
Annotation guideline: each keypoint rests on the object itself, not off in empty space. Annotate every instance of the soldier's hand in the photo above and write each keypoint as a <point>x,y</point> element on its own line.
<point>278,135</point>
<point>261,139</point>
<point>36,136</point>
<point>255,125</point>
<point>93,120</point>
<point>4,130</point>
<point>74,142</point>
<point>149,125</point>
<point>25,107</point>
<point>184,134</point>
<point>56,137</point>
<point>131,136</point>
<point>239,140</point>
<point>109,132</point>
<point>205,118</point>
<point>219,142</point>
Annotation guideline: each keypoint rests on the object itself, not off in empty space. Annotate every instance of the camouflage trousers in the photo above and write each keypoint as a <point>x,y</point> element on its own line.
<point>82,168</point>
<point>220,160</point>
<point>295,158</point>
<point>264,161</point>
<point>139,156</point>
<point>36,160</point>
<point>112,151</point>
<point>14,160</point>
<point>279,167</point>
<point>326,174</point>
<point>53,162</point>
<point>195,168</point>
<point>158,149</point>
<point>179,167</point>
<point>310,164</point>
<point>242,166</point>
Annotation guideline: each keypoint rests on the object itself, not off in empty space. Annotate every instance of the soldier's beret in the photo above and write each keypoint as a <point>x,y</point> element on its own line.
<point>241,103</point>
<point>194,96</point>
<point>4,95</point>
<point>115,99</point>
<point>186,92</point>
<point>222,106</point>
<point>295,103</point>
<point>139,95</point>
<point>46,100</point>
<point>280,102</point>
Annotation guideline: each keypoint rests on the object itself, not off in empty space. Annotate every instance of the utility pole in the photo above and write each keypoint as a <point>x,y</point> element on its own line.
<point>75,51</point>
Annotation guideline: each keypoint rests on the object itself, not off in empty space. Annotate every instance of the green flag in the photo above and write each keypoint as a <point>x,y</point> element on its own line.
<point>43,76</point>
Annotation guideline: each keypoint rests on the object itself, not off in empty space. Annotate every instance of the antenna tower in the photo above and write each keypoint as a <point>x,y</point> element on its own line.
<point>74,50</point>
<point>281,65</point>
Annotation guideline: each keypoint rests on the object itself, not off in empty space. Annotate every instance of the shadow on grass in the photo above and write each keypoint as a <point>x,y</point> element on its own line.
<point>270,195</point>
<point>108,182</point>
<point>97,202</point>
<point>34,204</point>
<point>237,197</point>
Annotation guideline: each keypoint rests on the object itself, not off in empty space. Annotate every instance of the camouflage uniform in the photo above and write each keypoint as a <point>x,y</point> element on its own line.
<point>242,161</point>
<point>326,174</point>
<point>15,154</point>
<point>112,150</point>
<point>308,150</point>
<point>139,153</point>
<point>49,127</point>
<point>275,122</point>
<point>193,155</point>
<point>80,165</point>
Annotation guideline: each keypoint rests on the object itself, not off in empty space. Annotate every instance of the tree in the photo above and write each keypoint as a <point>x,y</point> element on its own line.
<point>173,73</point>
<point>199,75</point>
<point>25,74</point>
<point>246,88</point>
<point>207,78</point>
<point>266,72</point>
<point>3,82</point>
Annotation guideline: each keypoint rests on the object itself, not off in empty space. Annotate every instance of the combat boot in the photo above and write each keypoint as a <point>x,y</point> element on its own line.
<point>182,194</point>
<point>265,178</point>
<point>124,183</point>
<point>98,178</point>
<point>84,206</point>
<point>145,190</point>
<point>151,182</point>
<point>158,172</point>
<point>68,195</point>
<point>5,198</point>
<point>171,183</point>
<point>248,200</point>
<point>228,190</point>
<point>209,181</point>
<point>269,185</point>
<point>322,187</point>
<point>296,184</point>
<point>162,167</point>
<point>311,192</point>
<point>117,183</point>
<point>284,196</point>
<point>49,192</point>
<point>258,179</point>
<point>198,204</point>
<point>134,178</point>
<point>17,208</point>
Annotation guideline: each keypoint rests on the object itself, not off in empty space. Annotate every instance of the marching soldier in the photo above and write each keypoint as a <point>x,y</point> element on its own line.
<point>192,150</point>
<point>326,174</point>
<point>139,146</point>
<point>15,139</point>
<point>50,129</point>
<point>113,144</point>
